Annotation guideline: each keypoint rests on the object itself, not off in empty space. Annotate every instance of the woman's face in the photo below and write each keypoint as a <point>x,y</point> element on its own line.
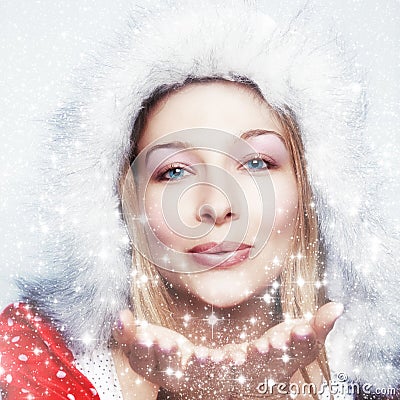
<point>217,192</point>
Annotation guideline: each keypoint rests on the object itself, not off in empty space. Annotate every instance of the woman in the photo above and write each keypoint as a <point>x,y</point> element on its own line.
<point>220,259</point>
<point>314,100</point>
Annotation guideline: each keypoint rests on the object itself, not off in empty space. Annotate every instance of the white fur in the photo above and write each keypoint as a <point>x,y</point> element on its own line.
<point>80,278</point>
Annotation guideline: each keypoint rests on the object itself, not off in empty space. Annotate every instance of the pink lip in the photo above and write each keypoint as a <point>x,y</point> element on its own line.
<point>220,256</point>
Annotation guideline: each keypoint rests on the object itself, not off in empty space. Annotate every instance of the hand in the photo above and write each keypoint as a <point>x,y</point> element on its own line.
<point>170,360</point>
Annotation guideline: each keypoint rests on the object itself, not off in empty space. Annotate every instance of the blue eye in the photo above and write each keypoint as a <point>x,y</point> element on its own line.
<point>256,164</point>
<point>174,173</point>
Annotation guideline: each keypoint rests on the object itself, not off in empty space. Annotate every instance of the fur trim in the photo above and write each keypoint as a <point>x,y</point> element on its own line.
<point>81,275</point>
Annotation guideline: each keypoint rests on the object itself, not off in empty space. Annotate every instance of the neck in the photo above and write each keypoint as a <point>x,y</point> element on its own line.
<point>205,324</point>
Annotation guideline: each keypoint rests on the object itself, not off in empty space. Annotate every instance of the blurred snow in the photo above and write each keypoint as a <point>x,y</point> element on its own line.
<point>41,42</point>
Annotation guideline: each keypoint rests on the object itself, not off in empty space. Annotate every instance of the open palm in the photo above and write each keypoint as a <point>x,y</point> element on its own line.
<point>170,360</point>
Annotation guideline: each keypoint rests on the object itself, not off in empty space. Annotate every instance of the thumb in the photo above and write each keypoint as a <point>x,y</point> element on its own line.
<point>325,319</point>
<point>128,331</point>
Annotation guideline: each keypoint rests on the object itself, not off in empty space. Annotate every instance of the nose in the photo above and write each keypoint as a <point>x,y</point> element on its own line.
<point>215,207</point>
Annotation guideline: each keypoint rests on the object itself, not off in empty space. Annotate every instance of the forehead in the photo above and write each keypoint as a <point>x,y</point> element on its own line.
<point>226,106</point>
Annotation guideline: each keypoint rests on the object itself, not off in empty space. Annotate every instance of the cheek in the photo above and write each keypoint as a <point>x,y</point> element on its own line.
<point>154,215</point>
<point>286,206</point>
<point>169,222</point>
<point>276,211</point>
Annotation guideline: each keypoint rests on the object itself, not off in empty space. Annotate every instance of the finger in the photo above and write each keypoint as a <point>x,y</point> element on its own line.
<point>129,331</point>
<point>304,346</point>
<point>261,345</point>
<point>325,319</point>
<point>160,355</point>
<point>168,371</point>
<point>201,352</point>
<point>259,359</point>
<point>217,355</point>
<point>125,330</point>
<point>144,360</point>
<point>277,337</point>
<point>235,353</point>
<point>283,349</point>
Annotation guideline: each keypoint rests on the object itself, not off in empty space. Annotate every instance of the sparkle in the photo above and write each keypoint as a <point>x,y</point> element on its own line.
<point>181,341</point>
<point>142,218</point>
<point>179,374</point>
<point>141,322</point>
<point>285,358</point>
<point>169,371</point>
<point>212,319</point>
<point>275,285</point>
<point>186,317</point>
<point>165,259</point>
<point>308,316</point>
<point>267,298</point>
<point>275,261</point>
<point>382,331</point>
<point>148,342</point>
<point>241,379</point>
<point>300,281</point>
<point>87,338</point>
<point>287,317</point>
<point>37,351</point>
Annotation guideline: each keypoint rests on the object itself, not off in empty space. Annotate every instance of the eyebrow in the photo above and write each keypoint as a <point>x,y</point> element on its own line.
<point>170,145</point>
<point>257,132</point>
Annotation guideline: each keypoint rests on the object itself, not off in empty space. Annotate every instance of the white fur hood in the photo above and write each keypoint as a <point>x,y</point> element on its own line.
<point>80,276</point>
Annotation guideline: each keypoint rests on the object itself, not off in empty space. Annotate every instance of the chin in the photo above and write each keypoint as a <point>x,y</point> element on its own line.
<point>223,300</point>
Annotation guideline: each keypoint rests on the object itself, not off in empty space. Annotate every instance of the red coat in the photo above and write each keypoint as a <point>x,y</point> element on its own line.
<point>35,362</point>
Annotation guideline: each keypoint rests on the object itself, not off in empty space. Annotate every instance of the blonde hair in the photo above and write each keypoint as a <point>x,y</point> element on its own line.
<point>301,290</point>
